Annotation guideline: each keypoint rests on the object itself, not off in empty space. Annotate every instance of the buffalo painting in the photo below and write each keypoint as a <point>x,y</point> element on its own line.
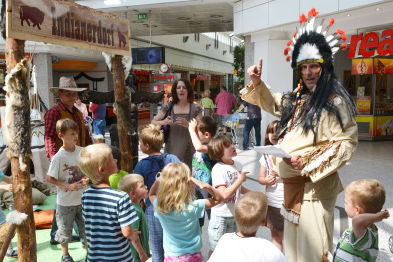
<point>33,14</point>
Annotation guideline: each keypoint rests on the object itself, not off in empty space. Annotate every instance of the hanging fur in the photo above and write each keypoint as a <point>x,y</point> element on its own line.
<point>123,110</point>
<point>126,61</point>
<point>18,113</point>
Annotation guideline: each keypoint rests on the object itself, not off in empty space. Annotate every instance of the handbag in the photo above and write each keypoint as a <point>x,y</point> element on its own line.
<point>166,128</point>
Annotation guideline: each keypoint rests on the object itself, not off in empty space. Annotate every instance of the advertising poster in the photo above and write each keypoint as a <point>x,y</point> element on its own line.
<point>383,66</point>
<point>364,104</point>
<point>362,66</point>
<point>167,89</point>
<point>156,88</point>
<point>384,125</point>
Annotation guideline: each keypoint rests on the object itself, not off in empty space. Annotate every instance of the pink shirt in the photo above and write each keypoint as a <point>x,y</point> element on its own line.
<point>225,102</point>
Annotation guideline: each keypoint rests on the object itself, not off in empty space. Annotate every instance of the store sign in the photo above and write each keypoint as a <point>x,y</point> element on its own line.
<point>68,24</point>
<point>372,44</point>
<point>216,79</point>
<point>201,77</point>
<point>363,104</point>
<point>161,77</point>
<point>141,72</point>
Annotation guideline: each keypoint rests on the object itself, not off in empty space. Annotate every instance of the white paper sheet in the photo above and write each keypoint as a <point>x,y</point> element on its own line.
<point>271,150</point>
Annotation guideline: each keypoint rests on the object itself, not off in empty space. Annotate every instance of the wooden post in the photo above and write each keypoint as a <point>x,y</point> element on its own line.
<point>21,184</point>
<point>124,138</point>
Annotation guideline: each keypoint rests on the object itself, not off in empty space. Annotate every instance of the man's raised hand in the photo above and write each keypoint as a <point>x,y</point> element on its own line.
<point>255,72</point>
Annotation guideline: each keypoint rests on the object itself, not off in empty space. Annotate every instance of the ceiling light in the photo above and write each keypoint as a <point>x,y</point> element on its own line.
<point>348,15</point>
<point>208,46</point>
<point>216,16</point>
<point>377,9</point>
<point>184,18</point>
<point>282,29</point>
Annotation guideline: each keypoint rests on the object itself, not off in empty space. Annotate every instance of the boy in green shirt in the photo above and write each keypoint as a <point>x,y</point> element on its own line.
<point>133,184</point>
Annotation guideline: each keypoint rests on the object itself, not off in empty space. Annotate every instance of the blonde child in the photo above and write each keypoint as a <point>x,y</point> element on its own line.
<point>133,185</point>
<point>151,139</point>
<point>274,187</point>
<point>65,174</point>
<point>364,200</point>
<point>173,197</point>
<point>208,104</point>
<point>250,214</point>
<point>98,139</point>
<point>227,178</point>
<point>108,212</point>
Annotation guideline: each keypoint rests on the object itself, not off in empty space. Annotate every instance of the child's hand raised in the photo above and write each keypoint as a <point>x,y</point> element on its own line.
<point>202,185</point>
<point>242,176</point>
<point>384,214</point>
<point>192,125</point>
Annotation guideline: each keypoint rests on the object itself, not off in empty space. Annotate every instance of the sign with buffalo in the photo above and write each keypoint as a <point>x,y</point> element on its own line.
<point>69,24</point>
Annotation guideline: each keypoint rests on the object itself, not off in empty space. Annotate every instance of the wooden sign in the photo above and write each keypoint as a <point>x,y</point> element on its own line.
<point>66,23</point>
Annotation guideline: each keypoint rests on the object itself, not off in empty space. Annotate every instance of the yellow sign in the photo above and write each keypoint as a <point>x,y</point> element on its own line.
<point>235,72</point>
<point>69,24</point>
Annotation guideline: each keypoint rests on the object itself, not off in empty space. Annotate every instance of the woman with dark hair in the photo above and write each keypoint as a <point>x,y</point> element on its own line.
<point>178,114</point>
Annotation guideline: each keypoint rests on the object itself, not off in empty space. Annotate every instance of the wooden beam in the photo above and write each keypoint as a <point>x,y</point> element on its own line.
<point>124,138</point>
<point>21,184</point>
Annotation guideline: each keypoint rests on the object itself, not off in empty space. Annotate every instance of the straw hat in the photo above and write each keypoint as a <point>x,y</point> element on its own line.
<point>66,83</point>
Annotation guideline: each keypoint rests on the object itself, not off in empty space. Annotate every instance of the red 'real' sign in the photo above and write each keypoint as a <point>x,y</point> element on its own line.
<point>372,44</point>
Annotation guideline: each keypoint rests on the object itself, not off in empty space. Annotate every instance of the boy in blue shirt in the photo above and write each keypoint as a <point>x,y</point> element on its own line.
<point>151,139</point>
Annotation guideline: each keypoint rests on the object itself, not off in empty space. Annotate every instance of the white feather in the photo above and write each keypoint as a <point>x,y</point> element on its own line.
<point>335,49</point>
<point>108,59</point>
<point>310,25</point>
<point>330,37</point>
<point>290,52</point>
<point>293,40</point>
<point>308,51</point>
<point>332,43</point>
<point>319,29</point>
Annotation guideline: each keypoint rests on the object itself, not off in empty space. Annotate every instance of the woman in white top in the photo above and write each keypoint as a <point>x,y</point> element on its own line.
<point>268,176</point>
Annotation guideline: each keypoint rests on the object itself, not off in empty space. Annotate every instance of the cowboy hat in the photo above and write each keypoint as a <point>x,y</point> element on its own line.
<point>66,83</point>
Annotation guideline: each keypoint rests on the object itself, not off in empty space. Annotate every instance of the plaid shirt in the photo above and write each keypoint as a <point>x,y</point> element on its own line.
<point>51,117</point>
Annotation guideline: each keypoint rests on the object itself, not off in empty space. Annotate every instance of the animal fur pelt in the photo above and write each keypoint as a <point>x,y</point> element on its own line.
<point>18,112</point>
<point>126,61</point>
<point>123,110</point>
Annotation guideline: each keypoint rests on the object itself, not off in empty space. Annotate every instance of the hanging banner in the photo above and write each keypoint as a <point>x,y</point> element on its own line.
<point>383,66</point>
<point>362,66</point>
<point>67,23</point>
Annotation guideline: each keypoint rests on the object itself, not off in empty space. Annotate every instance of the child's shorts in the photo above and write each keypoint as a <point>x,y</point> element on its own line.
<point>65,217</point>
<point>218,226</point>
<point>196,257</point>
<point>275,221</point>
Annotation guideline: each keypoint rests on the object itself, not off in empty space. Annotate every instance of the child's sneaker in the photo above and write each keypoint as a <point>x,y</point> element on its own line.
<point>11,252</point>
<point>67,258</point>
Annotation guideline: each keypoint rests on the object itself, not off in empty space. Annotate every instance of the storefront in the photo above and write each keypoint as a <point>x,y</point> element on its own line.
<point>370,82</point>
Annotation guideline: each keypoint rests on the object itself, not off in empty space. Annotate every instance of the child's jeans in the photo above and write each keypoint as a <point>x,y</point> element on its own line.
<point>156,234</point>
<point>218,226</point>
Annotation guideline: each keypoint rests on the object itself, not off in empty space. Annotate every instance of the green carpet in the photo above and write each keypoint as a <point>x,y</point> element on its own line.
<point>45,251</point>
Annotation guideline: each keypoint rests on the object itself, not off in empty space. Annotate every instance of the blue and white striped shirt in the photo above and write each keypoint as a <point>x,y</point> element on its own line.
<point>106,211</point>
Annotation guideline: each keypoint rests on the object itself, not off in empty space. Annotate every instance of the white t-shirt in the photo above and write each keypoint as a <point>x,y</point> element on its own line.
<point>226,175</point>
<point>274,193</point>
<point>64,167</point>
<point>231,247</point>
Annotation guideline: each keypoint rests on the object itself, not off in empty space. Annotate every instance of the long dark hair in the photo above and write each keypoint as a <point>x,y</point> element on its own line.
<point>328,87</point>
<point>190,90</point>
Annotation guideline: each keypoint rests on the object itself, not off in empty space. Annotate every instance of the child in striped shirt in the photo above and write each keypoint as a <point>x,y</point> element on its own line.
<point>108,212</point>
<point>364,200</point>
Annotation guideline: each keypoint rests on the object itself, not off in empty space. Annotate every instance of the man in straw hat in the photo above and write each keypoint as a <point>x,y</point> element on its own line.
<point>67,91</point>
<point>319,131</point>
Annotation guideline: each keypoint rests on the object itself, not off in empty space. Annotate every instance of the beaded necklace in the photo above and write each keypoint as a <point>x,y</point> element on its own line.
<point>293,120</point>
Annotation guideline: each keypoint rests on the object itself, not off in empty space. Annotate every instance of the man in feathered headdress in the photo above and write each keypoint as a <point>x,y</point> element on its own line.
<point>318,130</point>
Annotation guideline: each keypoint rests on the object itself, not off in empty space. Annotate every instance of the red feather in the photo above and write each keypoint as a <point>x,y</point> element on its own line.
<point>286,51</point>
<point>294,35</point>
<point>303,18</point>
<point>312,13</point>
<point>339,31</point>
<point>331,22</point>
<point>344,46</point>
<point>289,43</point>
<point>344,37</point>
<point>288,58</point>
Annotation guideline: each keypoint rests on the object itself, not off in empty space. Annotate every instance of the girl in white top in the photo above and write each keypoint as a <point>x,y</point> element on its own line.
<point>268,176</point>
